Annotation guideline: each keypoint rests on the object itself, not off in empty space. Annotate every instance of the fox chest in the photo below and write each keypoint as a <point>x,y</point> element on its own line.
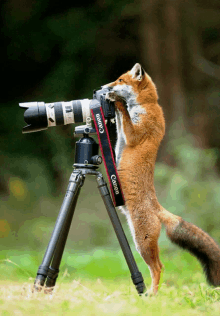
<point>135,113</point>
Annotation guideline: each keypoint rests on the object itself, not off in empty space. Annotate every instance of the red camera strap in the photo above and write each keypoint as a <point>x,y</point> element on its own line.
<point>107,154</point>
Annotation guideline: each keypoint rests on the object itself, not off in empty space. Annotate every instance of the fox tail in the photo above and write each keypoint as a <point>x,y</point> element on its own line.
<point>196,241</point>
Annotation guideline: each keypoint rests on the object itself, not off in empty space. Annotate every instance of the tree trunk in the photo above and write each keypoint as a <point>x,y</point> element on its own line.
<point>161,35</point>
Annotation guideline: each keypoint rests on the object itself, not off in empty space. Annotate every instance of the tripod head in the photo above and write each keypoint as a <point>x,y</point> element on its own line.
<point>87,149</point>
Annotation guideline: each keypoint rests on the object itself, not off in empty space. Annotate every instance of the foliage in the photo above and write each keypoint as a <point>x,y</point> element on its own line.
<point>191,189</point>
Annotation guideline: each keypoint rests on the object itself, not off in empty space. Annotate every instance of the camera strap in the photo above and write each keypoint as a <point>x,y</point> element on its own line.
<point>107,153</point>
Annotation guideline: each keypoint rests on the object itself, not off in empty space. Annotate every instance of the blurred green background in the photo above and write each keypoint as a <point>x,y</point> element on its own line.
<point>61,51</point>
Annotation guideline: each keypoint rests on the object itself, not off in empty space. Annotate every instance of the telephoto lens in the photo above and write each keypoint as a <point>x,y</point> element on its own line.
<point>39,115</point>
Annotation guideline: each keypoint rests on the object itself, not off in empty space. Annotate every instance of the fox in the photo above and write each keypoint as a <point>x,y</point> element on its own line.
<point>140,128</point>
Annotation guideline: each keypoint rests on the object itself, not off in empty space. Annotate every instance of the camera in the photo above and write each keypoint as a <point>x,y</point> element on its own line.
<point>39,115</point>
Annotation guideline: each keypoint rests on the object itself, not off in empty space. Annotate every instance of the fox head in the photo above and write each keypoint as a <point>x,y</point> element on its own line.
<point>134,87</point>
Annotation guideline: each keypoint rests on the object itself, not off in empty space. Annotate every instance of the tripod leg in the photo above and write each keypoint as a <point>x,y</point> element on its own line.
<point>63,222</point>
<point>135,273</point>
<point>53,270</point>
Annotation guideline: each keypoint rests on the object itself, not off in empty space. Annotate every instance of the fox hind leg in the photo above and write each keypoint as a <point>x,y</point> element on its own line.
<point>145,234</point>
<point>150,254</point>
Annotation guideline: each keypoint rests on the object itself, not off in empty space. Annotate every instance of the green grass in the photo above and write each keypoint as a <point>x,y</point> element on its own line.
<point>99,283</point>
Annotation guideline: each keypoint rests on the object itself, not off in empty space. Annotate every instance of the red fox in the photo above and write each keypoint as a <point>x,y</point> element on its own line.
<point>140,128</point>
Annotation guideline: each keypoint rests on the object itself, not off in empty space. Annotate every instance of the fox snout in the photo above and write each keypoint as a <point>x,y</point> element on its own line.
<point>107,86</point>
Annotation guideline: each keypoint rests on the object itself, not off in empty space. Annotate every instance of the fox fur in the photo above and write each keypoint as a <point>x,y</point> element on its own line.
<point>140,128</point>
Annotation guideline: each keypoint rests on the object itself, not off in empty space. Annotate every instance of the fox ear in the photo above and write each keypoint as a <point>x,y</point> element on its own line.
<point>137,72</point>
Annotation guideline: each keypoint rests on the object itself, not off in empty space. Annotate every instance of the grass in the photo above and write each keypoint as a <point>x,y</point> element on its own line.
<point>102,297</point>
<point>99,283</point>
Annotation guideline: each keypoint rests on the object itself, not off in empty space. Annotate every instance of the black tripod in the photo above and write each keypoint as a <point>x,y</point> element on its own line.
<point>86,163</point>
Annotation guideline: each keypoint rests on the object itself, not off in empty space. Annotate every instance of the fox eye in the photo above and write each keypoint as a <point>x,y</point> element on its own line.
<point>120,80</point>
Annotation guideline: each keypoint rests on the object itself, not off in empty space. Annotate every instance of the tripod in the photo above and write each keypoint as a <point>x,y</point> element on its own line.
<point>86,163</point>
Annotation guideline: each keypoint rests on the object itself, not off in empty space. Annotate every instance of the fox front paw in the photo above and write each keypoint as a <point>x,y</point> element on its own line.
<point>111,96</point>
<point>119,103</point>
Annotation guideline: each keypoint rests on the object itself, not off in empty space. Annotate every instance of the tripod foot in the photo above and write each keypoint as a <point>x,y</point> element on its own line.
<point>40,278</point>
<point>39,283</point>
<point>138,282</point>
<point>51,280</point>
